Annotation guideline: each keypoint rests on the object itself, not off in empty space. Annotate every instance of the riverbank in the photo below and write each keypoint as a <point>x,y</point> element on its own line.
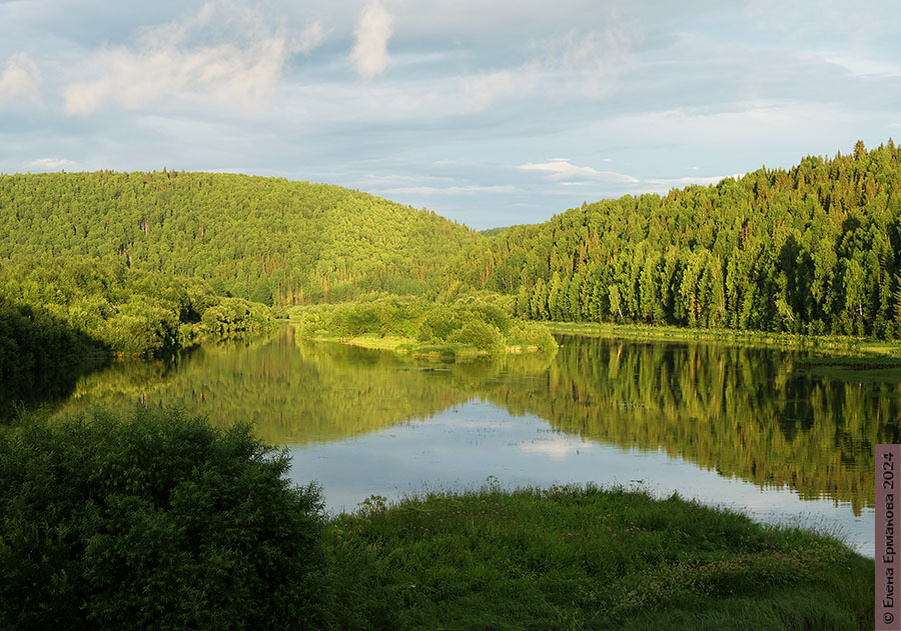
<point>424,329</point>
<point>566,557</point>
<point>832,345</point>
<point>409,346</point>
<point>580,558</point>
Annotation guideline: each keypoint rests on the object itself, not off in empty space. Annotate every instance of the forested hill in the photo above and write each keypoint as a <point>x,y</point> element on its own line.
<point>264,239</point>
<point>815,249</point>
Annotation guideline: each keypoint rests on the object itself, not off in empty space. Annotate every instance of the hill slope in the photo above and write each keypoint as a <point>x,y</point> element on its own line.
<point>268,240</point>
<point>812,250</point>
<point>815,250</point>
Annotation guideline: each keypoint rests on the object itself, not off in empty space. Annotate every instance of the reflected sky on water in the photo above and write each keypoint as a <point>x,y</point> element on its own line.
<point>750,428</point>
<point>461,447</point>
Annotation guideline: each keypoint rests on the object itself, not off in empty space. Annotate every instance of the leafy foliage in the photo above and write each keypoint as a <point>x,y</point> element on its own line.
<point>477,323</point>
<point>265,240</point>
<point>32,339</point>
<point>58,308</point>
<point>811,250</point>
<point>155,521</point>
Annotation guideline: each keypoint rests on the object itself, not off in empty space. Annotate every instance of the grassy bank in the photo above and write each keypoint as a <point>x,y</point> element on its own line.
<point>417,350</point>
<point>833,345</point>
<point>160,521</point>
<point>584,558</point>
<point>466,328</point>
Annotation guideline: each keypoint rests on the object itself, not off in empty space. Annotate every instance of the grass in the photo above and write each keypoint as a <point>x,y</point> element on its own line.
<point>859,347</point>
<point>586,558</point>
<point>417,350</point>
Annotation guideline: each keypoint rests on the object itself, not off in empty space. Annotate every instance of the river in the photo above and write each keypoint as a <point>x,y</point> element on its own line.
<point>733,426</point>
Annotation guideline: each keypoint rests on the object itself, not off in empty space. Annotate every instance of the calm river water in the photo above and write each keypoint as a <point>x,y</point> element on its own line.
<point>732,426</point>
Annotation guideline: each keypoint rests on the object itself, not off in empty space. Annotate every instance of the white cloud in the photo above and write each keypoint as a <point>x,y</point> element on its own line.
<point>482,91</point>
<point>309,39</point>
<point>20,81</point>
<point>662,185</point>
<point>370,52</point>
<point>866,67</point>
<point>560,169</point>
<point>469,189</point>
<point>594,59</point>
<point>240,67</point>
<point>50,164</point>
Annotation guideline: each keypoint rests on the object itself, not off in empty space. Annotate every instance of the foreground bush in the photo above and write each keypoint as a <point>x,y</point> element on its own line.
<point>156,521</point>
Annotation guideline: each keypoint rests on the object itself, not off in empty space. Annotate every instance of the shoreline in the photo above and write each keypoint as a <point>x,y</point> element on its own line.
<point>836,345</point>
<point>604,558</point>
<point>409,346</point>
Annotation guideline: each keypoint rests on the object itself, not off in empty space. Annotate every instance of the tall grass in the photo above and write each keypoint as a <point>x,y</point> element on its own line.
<point>586,558</point>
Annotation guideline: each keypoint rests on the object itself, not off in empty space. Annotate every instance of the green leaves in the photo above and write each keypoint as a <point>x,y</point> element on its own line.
<point>807,250</point>
<point>475,324</point>
<point>155,521</point>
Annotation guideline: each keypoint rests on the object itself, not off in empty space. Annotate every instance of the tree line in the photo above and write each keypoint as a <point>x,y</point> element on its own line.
<point>811,250</point>
<point>56,309</point>
<point>267,240</point>
<point>145,262</point>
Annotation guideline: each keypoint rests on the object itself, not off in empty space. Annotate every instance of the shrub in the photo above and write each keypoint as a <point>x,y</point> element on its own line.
<point>439,324</point>
<point>235,315</point>
<point>156,521</point>
<point>493,314</point>
<point>526,334</point>
<point>483,336</point>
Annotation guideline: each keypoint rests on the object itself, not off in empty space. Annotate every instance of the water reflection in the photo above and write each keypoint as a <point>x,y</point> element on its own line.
<point>740,412</point>
<point>459,449</point>
<point>45,389</point>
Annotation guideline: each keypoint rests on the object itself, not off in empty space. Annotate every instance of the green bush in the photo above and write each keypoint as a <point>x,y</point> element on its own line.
<point>156,521</point>
<point>439,324</point>
<point>493,314</point>
<point>358,319</point>
<point>481,335</point>
<point>525,333</point>
<point>235,315</point>
<point>480,323</point>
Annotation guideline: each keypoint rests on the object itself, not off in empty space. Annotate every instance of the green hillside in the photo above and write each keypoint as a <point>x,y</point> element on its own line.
<point>812,250</point>
<point>144,262</point>
<point>264,239</point>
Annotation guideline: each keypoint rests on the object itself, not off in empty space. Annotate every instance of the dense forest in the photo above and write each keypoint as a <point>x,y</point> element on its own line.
<point>142,263</point>
<point>812,250</point>
<point>146,263</point>
<point>57,305</point>
<point>263,239</point>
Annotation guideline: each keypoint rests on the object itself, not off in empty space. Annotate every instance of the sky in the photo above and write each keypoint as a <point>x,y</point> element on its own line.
<point>490,113</point>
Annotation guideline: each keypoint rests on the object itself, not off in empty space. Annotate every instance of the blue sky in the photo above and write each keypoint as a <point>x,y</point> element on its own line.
<point>488,112</point>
